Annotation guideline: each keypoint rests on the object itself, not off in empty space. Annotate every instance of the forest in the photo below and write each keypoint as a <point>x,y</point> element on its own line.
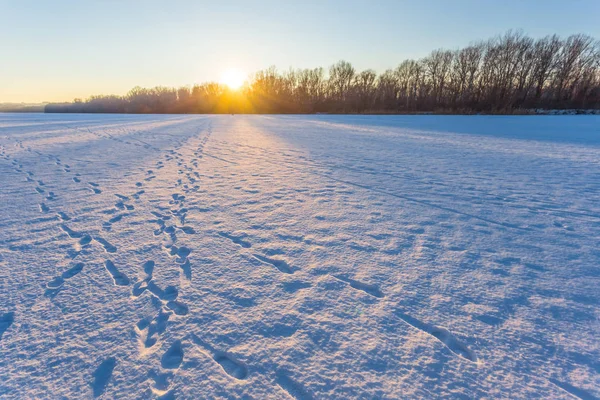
<point>504,74</point>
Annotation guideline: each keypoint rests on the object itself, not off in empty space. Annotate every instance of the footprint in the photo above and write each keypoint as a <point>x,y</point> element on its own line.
<point>177,197</point>
<point>161,382</point>
<point>170,293</point>
<point>294,286</point>
<point>85,239</point>
<point>293,388</point>
<point>6,321</point>
<point>72,234</point>
<point>574,391</point>
<point>443,335</point>
<point>55,283</point>
<point>160,216</point>
<point>109,248</point>
<point>236,239</point>
<point>281,265</point>
<point>231,367</point>
<point>187,230</point>
<point>155,290</point>
<point>102,376</point>
<point>373,290</point>
<point>139,288</point>
<point>63,216</point>
<point>148,268</point>
<point>153,328</point>
<point>173,356</point>
<point>44,208</point>
<point>116,218</point>
<point>177,307</point>
<point>71,272</point>
<point>183,253</point>
<point>186,267</point>
<point>229,364</point>
<point>119,278</point>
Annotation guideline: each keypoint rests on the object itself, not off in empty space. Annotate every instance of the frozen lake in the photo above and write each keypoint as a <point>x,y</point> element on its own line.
<point>300,257</point>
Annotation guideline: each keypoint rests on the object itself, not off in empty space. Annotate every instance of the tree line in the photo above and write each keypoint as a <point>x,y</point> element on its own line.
<point>506,73</point>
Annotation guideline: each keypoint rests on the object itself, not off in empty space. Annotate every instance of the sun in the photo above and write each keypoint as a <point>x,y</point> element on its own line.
<point>233,78</point>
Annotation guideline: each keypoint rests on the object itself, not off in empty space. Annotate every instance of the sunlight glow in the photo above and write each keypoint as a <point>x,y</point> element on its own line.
<point>234,78</point>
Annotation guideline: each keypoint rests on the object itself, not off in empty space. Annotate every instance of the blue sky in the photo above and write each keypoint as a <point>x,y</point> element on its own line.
<point>61,49</point>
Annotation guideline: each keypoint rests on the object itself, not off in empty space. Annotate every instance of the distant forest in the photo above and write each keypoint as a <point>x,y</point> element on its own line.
<point>501,75</point>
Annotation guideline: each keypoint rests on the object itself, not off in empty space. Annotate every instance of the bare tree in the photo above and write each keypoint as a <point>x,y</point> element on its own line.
<point>499,75</point>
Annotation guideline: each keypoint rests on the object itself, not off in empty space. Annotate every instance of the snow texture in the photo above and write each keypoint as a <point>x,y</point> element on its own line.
<point>299,257</point>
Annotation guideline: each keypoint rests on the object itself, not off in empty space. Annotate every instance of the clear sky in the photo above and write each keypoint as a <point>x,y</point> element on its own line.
<point>55,50</point>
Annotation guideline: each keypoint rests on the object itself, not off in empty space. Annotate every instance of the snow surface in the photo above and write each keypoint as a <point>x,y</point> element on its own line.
<point>299,256</point>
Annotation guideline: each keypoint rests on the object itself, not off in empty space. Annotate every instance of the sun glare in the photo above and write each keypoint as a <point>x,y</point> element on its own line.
<point>234,78</point>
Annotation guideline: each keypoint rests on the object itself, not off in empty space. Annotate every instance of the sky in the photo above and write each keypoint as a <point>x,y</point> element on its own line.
<point>64,49</point>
